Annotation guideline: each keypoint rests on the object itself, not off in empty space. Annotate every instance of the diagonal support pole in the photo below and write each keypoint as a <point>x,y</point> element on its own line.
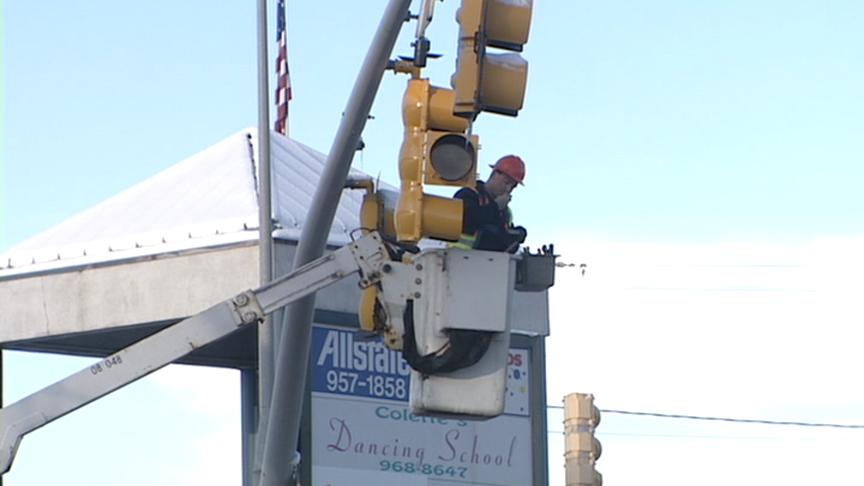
<point>292,356</point>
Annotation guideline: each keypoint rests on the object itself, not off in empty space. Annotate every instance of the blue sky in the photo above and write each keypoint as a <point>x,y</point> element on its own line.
<point>662,134</point>
<point>655,120</point>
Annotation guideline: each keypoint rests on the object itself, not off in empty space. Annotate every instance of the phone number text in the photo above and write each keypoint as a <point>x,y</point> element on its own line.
<point>394,387</point>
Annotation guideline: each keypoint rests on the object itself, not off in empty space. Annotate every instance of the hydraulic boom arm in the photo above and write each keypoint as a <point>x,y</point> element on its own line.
<point>365,256</point>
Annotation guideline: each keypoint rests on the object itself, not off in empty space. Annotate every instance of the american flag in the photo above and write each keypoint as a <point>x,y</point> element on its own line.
<point>283,91</point>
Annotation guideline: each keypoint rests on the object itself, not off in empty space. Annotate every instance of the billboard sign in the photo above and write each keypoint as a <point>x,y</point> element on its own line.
<point>363,431</point>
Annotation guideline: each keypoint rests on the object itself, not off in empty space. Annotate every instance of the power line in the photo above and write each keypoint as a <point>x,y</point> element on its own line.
<point>602,434</point>
<point>729,419</point>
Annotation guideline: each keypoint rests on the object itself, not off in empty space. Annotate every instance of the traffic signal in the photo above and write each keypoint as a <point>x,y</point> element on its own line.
<point>486,80</point>
<point>582,449</point>
<point>450,155</point>
<point>435,150</point>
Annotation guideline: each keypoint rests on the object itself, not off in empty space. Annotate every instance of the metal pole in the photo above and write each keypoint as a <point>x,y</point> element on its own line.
<point>1,394</point>
<point>538,411</point>
<point>266,352</point>
<point>248,420</point>
<point>287,406</point>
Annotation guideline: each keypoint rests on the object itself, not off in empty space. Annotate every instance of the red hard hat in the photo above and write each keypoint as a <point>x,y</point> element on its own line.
<point>512,166</point>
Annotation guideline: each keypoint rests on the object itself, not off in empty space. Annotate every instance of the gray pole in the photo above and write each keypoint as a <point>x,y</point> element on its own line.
<point>1,393</point>
<point>265,246</point>
<point>540,456</point>
<point>249,403</point>
<point>287,406</point>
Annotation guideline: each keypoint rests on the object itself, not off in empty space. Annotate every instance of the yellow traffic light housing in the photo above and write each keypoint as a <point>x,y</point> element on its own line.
<point>582,449</point>
<point>449,156</point>
<point>488,81</point>
<point>435,150</point>
<point>376,211</point>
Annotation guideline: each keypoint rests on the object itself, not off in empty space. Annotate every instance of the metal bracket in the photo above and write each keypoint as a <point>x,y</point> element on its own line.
<point>247,309</point>
<point>370,255</point>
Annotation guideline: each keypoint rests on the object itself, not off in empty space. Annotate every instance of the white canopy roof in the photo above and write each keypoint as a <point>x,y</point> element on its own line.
<point>210,199</point>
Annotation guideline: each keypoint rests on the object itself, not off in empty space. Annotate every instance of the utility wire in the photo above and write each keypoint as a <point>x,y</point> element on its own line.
<point>728,419</point>
<point>605,434</point>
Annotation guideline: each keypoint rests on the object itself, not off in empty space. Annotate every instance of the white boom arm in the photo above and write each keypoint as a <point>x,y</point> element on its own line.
<point>365,256</point>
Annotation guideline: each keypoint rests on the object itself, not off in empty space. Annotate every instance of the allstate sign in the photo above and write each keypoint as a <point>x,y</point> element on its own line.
<point>364,433</point>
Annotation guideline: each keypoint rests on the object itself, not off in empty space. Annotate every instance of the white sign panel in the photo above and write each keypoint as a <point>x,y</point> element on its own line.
<point>364,433</point>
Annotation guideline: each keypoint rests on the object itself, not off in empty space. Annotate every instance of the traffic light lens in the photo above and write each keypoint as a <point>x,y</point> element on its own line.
<point>452,157</point>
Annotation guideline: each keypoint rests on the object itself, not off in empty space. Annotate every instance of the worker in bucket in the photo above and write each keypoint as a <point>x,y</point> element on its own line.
<point>487,222</point>
<point>486,225</point>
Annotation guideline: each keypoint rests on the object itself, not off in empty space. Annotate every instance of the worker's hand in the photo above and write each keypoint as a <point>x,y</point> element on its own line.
<point>517,236</point>
<point>503,200</point>
<point>520,233</point>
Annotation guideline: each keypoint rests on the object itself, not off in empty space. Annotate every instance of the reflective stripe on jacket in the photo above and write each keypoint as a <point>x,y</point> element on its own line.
<point>474,220</point>
<point>466,242</point>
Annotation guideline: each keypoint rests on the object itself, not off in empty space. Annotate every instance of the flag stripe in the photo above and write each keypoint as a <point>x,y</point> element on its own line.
<point>283,91</point>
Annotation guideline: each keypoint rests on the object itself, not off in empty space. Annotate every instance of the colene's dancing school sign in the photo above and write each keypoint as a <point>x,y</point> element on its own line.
<point>364,433</point>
